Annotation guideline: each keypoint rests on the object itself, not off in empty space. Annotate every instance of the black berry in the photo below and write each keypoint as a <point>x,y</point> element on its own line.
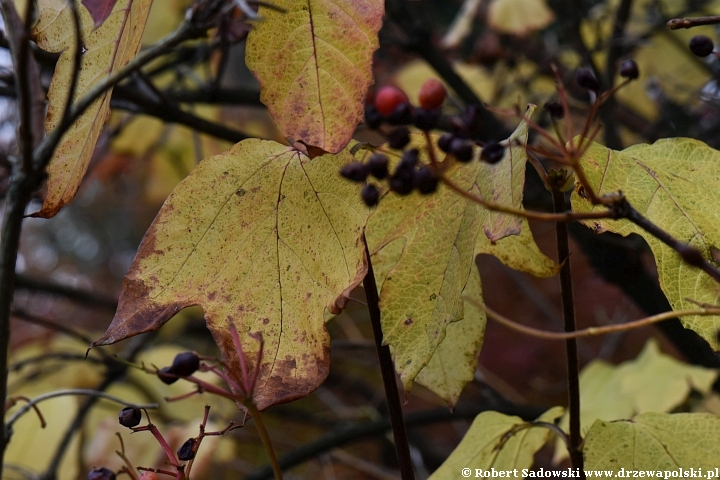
<point>461,149</point>
<point>586,79</point>
<point>398,138</point>
<point>355,171</point>
<point>373,118</point>
<point>101,474</point>
<point>409,160</point>
<point>185,364</point>
<point>492,152</point>
<point>378,166</point>
<point>402,183</point>
<point>444,142</point>
<point>402,115</point>
<point>472,121</point>
<point>426,120</point>
<point>129,417</point>
<point>701,45</point>
<point>187,450</point>
<point>370,195</point>
<point>555,109</point>
<point>629,69</point>
<point>166,376</point>
<point>425,180</point>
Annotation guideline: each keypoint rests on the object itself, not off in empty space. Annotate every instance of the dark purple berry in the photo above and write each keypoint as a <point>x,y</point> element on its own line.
<point>370,195</point>
<point>426,120</point>
<point>555,109</point>
<point>402,115</point>
<point>586,79</point>
<point>378,166</point>
<point>492,152</point>
<point>444,142</point>
<point>166,376</point>
<point>129,417</point>
<point>472,121</point>
<point>402,184</point>
<point>398,138</point>
<point>185,364</point>
<point>101,474</point>
<point>462,149</point>
<point>355,171</point>
<point>701,45</point>
<point>629,69</point>
<point>691,255</point>
<point>409,160</point>
<point>373,118</point>
<point>187,450</point>
<point>425,180</point>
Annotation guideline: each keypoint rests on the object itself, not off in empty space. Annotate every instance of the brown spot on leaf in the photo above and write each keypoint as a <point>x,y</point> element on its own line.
<point>408,322</point>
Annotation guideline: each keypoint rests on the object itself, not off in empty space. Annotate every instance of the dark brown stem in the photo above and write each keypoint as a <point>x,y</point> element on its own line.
<point>568,306</point>
<point>677,23</point>
<point>265,438</point>
<point>402,446</point>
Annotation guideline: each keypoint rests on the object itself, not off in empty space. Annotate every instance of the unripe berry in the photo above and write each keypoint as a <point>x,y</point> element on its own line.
<point>185,364</point>
<point>378,166</point>
<point>101,473</point>
<point>187,450</point>
<point>355,171</point>
<point>629,69</point>
<point>388,98</point>
<point>425,180</point>
<point>398,138</point>
<point>701,45</point>
<point>586,79</point>
<point>462,149</point>
<point>492,152</point>
<point>370,195</point>
<point>129,417</point>
<point>432,94</point>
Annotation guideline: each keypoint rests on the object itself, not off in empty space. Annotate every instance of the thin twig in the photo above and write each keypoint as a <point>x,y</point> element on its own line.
<point>677,23</point>
<point>590,331</point>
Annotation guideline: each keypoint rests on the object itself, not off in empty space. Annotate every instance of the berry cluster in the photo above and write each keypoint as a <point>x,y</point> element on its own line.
<point>391,107</point>
<point>184,365</point>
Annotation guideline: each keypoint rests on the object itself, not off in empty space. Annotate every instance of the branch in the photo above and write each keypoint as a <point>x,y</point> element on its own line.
<point>677,23</point>
<point>85,297</point>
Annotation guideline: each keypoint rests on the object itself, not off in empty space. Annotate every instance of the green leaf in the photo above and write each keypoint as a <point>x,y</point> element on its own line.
<point>495,441</point>
<point>655,441</point>
<point>434,240</point>
<point>107,49</point>
<point>265,238</point>
<point>673,183</point>
<point>314,63</point>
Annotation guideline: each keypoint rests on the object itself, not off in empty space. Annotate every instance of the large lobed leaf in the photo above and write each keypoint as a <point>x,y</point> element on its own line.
<point>261,237</point>
<point>106,49</point>
<point>656,442</point>
<point>674,183</point>
<point>434,240</point>
<point>495,442</point>
<point>314,63</point>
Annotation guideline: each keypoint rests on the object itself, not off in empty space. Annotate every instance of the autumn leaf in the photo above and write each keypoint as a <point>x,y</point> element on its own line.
<point>654,441</point>
<point>674,184</point>
<point>497,441</point>
<point>261,237</point>
<point>421,292</point>
<point>314,63</point>
<point>106,49</point>
<point>99,9</point>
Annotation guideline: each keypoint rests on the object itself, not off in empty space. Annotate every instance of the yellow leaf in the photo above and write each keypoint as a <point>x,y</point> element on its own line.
<point>674,184</point>
<point>655,442</point>
<point>495,441</point>
<point>107,49</point>
<point>519,17</point>
<point>314,63</point>
<point>261,237</point>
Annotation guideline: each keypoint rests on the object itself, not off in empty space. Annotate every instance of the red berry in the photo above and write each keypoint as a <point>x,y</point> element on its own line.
<point>388,98</point>
<point>432,94</point>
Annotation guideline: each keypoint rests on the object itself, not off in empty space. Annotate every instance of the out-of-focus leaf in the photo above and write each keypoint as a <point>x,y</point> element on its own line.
<point>314,62</point>
<point>519,17</point>
<point>265,239</point>
<point>106,49</point>
<point>495,440</point>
